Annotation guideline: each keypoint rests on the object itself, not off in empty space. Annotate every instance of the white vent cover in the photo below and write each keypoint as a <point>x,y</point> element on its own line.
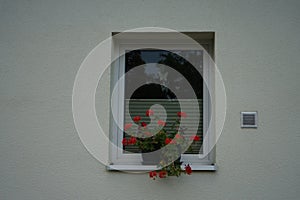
<point>249,119</point>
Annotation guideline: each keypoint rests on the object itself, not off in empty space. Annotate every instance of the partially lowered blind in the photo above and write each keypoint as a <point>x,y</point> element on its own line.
<point>138,107</point>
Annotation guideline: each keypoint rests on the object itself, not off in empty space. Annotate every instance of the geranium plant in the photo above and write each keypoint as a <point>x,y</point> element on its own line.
<point>165,144</point>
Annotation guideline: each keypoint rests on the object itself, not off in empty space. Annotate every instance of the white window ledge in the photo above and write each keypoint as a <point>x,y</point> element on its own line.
<point>153,167</point>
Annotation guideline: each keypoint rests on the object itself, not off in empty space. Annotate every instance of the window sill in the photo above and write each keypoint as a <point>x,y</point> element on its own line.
<point>213,167</point>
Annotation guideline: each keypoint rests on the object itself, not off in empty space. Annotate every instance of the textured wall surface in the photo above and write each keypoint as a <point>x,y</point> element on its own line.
<point>42,44</point>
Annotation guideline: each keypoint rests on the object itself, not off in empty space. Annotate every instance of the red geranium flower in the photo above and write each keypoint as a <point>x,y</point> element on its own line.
<point>168,140</point>
<point>143,124</point>
<point>132,140</point>
<point>161,123</point>
<point>149,112</point>
<point>162,174</point>
<point>125,141</point>
<point>181,114</point>
<point>127,126</point>
<point>188,169</point>
<point>152,174</point>
<point>136,119</point>
<point>195,138</point>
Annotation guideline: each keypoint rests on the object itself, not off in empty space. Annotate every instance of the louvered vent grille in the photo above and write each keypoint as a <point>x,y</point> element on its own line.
<point>248,119</point>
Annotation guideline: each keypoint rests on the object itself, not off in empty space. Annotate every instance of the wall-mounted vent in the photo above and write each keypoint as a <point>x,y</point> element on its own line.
<point>249,119</point>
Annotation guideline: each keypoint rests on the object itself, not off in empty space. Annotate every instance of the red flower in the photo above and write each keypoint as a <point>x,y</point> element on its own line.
<point>188,169</point>
<point>125,141</point>
<point>152,174</point>
<point>127,126</point>
<point>149,112</point>
<point>143,124</point>
<point>162,174</point>
<point>181,114</point>
<point>161,123</point>
<point>132,140</point>
<point>136,119</point>
<point>195,138</point>
<point>168,140</point>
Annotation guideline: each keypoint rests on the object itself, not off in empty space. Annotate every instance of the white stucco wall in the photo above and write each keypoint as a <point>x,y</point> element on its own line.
<point>42,44</point>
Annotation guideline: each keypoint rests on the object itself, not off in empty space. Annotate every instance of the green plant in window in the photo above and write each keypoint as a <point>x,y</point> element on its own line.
<point>164,145</point>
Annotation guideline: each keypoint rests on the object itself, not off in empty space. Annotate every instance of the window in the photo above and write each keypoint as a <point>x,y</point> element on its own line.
<point>159,69</point>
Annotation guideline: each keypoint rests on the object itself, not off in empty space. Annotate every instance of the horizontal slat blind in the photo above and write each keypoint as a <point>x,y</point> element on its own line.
<point>138,107</point>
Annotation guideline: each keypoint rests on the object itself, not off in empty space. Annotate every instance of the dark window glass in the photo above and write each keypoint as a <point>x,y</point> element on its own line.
<point>148,94</point>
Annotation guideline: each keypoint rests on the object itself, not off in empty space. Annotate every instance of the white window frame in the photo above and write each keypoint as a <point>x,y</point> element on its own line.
<point>121,161</point>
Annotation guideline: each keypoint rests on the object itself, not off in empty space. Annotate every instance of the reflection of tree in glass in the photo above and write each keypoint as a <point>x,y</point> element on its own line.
<point>186,69</point>
<point>133,59</point>
<point>166,77</point>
